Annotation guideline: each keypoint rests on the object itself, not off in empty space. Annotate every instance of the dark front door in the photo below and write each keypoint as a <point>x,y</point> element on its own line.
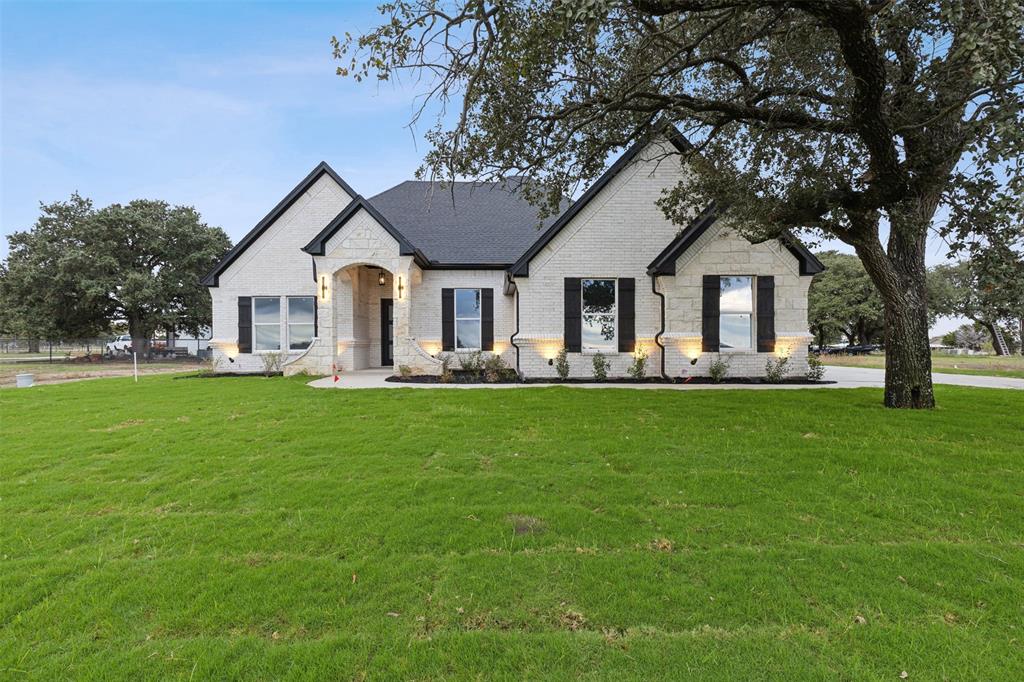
<point>387,332</point>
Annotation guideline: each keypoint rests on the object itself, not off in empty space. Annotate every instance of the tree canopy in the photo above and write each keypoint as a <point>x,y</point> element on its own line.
<point>844,301</point>
<point>80,268</point>
<point>987,289</point>
<point>852,119</point>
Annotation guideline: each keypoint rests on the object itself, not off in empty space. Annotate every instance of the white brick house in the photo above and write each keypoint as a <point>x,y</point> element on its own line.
<point>331,279</point>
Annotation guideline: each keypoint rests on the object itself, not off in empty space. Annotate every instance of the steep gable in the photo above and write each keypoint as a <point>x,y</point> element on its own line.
<point>322,183</point>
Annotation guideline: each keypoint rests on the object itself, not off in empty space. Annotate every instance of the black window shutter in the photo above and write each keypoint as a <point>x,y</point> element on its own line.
<point>573,316</point>
<point>487,319</point>
<point>765,314</point>
<point>627,314</point>
<point>244,324</point>
<point>448,319</point>
<point>709,314</point>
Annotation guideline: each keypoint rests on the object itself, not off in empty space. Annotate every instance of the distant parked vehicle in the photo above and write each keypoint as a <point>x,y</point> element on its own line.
<point>122,344</point>
<point>862,349</point>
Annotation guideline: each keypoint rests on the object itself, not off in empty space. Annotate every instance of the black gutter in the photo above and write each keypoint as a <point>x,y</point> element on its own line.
<point>657,337</point>
<point>512,339</point>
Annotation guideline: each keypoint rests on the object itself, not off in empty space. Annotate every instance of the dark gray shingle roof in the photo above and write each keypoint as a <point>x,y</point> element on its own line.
<point>463,222</point>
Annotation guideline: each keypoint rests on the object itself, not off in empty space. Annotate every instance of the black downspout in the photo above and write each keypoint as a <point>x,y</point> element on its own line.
<point>657,337</point>
<point>512,339</point>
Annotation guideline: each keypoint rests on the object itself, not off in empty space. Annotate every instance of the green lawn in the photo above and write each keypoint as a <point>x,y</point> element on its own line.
<point>248,527</point>
<point>982,365</point>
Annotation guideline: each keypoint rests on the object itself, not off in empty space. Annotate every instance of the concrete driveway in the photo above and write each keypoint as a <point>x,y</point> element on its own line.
<point>845,377</point>
<point>851,377</point>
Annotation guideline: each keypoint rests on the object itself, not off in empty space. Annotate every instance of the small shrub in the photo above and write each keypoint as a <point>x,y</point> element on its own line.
<point>212,366</point>
<point>776,370</point>
<point>405,371</point>
<point>718,370</point>
<point>272,363</point>
<point>815,367</point>
<point>446,368</point>
<point>601,366</point>
<point>562,364</point>
<point>472,362</point>
<point>495,369</point>
<point>638,370</point>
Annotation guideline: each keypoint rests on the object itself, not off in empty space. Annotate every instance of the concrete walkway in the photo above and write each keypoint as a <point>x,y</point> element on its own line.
<point>845,377</point>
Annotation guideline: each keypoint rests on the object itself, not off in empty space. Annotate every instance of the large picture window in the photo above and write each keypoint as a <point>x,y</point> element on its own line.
<point>598,328</point>
<point>736,312</point>
<point>266,322</point>
<point>467,319</point>
<point>301,321</point>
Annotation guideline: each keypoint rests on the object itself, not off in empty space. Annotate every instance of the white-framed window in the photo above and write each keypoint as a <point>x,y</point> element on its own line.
<point>266,323</point>
<point>736,312</point>
<point>599,308</point>
<point>467,319</point>
<point>301,321</point>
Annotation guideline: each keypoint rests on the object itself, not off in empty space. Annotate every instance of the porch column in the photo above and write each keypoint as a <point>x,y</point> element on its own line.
<point>405,278</point>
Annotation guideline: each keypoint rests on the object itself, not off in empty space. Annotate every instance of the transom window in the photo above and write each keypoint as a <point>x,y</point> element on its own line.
<point>301,321</point>
<point>266,322</point>
<point>736,312</point>
<point>598,327</point>
<point>467,319</point>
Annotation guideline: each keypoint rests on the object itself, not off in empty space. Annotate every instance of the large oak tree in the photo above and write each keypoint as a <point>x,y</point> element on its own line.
<point>852,119</point>
<point>80,268</point>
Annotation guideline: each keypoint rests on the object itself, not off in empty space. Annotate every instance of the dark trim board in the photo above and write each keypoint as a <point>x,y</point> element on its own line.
<point>521,268</point>
<point>665,262</point>
<point>212,279</point>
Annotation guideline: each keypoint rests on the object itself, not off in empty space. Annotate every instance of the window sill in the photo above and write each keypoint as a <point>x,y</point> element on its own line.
<point>595,351</point>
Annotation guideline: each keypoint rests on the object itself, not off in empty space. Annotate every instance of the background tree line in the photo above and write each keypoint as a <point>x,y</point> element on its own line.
<point>80,269</point>
<point>987,289</point>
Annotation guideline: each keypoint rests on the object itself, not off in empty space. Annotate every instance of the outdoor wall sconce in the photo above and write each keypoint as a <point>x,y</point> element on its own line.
<point>693,362</point>
<point>323,287</point>
<point>400,287</point>
<point>551,361</point>
<point>380,278</point>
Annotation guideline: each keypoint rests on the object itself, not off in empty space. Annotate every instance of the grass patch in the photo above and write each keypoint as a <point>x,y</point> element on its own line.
<point>983,365</point>
<point>258,528</point>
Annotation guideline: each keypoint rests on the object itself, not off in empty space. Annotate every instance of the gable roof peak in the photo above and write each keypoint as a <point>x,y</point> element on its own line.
<point>212,278</point>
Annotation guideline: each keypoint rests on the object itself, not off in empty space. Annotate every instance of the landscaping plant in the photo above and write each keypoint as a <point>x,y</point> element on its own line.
<point>495,369</point>
<point>775,371</point>
<point>272,363</point>
<point>717,370</point>
<point>562,363</point>
<point>601,365</point>
<point>638,369</point>
<point>815,367</point>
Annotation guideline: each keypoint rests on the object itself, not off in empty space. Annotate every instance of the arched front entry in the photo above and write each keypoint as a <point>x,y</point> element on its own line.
<point>364,309</point>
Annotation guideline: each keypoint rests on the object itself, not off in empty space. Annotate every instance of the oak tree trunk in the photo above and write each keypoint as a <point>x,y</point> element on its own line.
<point>899,273</point>
<point>140,338</point>
<point>33,345</point>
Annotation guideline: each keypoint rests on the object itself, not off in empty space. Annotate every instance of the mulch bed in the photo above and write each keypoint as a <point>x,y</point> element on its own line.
<point>457,378</point>
<point>467,378</point>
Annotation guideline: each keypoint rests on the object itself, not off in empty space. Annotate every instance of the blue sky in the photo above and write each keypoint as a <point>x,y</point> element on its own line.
<point>224,106</point>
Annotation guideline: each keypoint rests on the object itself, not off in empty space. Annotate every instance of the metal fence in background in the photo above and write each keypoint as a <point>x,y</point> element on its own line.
<point>98,349</point>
